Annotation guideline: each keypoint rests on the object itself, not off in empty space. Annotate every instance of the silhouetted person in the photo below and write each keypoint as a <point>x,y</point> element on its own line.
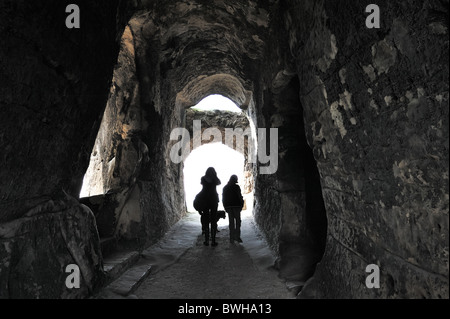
<point>206,204</point>
<point>233,202</point>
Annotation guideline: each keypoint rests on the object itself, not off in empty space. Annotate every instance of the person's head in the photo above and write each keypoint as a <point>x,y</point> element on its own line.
<point>233,179</point>
<point>211,172</point>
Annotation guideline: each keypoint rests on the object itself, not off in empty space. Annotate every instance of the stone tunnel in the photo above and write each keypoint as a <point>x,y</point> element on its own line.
<point>362,135</point>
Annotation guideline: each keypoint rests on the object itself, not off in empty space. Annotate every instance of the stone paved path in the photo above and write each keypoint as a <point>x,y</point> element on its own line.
<point>183,268</point>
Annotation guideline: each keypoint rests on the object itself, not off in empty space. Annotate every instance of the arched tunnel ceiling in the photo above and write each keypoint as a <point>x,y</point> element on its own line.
<point>204,39</point>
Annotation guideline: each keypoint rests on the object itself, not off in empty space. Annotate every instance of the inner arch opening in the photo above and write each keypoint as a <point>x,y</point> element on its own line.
<point>218,115</point>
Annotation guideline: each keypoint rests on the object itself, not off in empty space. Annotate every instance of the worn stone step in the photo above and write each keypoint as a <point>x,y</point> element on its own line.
<point>128,282</point>
<point>295,286</point>
<point>117,263</point>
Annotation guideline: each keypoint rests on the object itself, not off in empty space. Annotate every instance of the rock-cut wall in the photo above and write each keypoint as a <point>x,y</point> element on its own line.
<point>54,84</point>
<point>376,114</point>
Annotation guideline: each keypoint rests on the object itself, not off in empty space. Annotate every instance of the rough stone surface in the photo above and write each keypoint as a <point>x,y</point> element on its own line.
<point>118,152</point>
<point>376,115</point>
<point>54,82</point>
<point>36,249</point>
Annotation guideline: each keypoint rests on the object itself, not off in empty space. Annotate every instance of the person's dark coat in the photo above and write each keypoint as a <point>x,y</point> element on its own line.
<point>232,196</point>
<point>208,197</point>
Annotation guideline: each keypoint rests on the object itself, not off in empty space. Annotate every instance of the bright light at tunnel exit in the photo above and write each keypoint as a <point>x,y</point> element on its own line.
<point>217,102</point>
<point>225,161</point>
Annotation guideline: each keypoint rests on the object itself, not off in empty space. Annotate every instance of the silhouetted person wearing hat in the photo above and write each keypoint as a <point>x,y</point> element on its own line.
<point>206,203</point>
<point>233,202</point>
